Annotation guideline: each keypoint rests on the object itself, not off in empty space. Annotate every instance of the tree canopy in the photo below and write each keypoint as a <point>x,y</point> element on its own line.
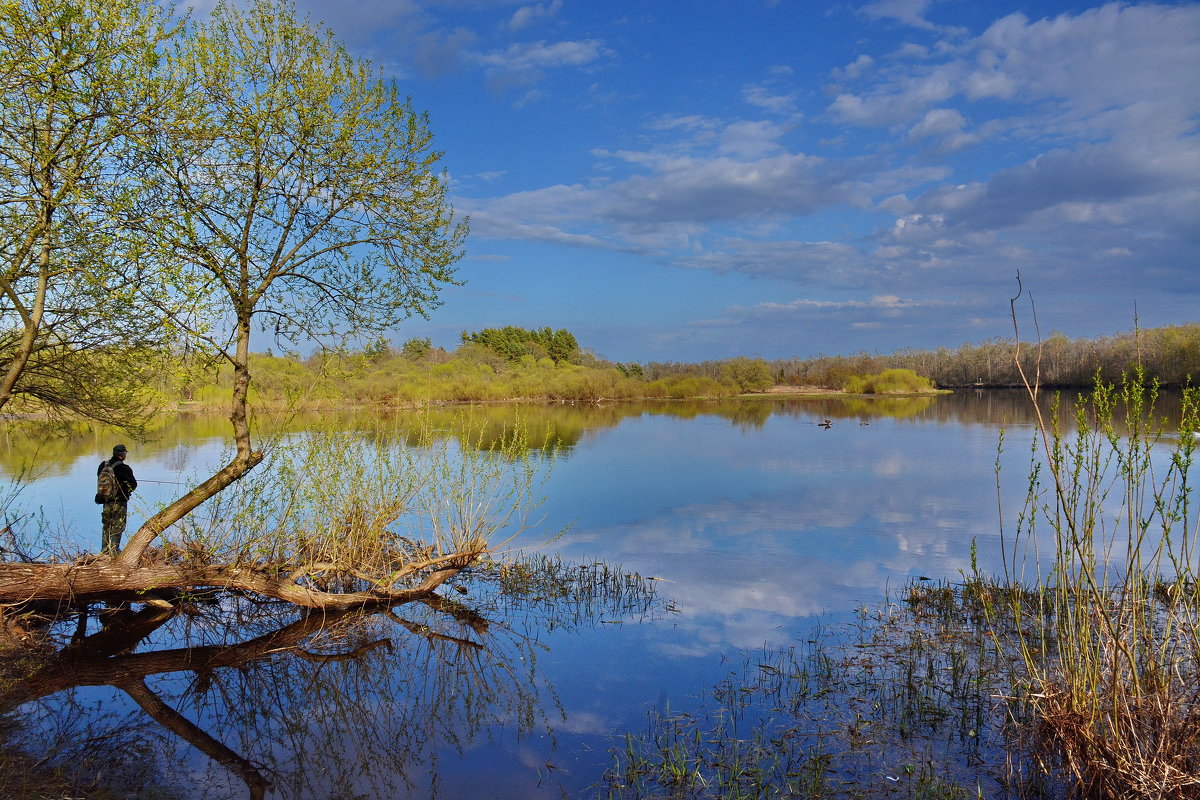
<point>513,343</point>
<point>299,193</point>
<point>79,80</point>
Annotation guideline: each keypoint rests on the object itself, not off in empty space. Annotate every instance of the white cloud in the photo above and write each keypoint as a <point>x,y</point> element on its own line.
<point>831,263</point>
<point>530,56</point>
<point>437,51</point>
<point>721,188</point>
<point>751,139</point>
<point>887,302</point>
<point>1100,71</point>
<point>764,98</point>
<point>938,122</point>
<point>903,100</point>
<point>908,12</point>
<point>525,16</point>
<point>688,121</point>
<point>1077,160</point>
<point>856,68</point>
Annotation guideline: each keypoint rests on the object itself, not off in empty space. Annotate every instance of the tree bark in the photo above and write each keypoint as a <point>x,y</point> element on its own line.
<point>111,578</point>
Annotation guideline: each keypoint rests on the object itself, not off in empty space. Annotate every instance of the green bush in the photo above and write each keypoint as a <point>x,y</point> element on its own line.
<point>890,381</point>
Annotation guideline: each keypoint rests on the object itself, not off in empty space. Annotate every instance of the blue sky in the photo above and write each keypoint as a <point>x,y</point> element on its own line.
<point>678,180</point>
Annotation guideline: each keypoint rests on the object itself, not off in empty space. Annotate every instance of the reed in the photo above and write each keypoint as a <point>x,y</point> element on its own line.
<point>1108,643</point>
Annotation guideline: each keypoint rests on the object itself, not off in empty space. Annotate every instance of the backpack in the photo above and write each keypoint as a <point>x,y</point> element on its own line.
<point>107,490</point>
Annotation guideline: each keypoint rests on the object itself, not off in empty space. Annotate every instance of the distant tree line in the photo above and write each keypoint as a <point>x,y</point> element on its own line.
<point>1170,353</point>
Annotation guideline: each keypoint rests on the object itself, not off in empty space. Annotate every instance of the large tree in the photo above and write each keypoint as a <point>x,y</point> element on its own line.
<point>299,194</point>
<point>294,190</point>
<point>77,78</point>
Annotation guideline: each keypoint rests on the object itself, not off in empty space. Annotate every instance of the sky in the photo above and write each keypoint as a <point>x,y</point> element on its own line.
<point>681,180</point>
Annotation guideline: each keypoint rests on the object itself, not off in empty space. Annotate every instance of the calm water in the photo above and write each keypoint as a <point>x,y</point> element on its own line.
<point>758,524</point>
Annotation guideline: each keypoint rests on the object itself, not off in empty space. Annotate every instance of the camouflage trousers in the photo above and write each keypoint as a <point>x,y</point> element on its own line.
<point>113,519</point>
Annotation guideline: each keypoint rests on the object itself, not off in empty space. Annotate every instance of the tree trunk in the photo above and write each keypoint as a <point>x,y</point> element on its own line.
<point>31,319</point>
<point>107,578</point>
<point>243,461</point>
<point>131,555</point>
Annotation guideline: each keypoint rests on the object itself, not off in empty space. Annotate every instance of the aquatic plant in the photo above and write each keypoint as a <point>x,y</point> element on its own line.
<point>1110,662</point>
<point>904,702</point>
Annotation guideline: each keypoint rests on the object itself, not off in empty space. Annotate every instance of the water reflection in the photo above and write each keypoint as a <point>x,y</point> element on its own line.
<point>27,449</point>
<point>322,705</point>
<point>760,524</point>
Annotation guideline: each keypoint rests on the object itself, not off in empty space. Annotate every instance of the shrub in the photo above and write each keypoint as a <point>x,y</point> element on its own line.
<point>890,381</point>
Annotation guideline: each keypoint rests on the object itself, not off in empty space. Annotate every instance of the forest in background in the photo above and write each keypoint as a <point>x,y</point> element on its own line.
<point>514,363</point>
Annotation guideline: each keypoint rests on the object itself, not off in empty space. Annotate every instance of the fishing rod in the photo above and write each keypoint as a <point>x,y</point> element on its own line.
<point>176,483</point>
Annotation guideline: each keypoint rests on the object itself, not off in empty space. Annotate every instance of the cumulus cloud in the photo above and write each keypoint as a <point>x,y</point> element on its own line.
<point>749,139</point>
<point>1097,176</point>
<point>723,188</point>
<point>889,302</point>
<point>830,263</point>
<point>904,98</point>
<point>910,12</point>
<point>856,68</point>
<point>938,122</point>
<point>1100,71</point>
<point>1106,102</point>
<point>1076,155</point>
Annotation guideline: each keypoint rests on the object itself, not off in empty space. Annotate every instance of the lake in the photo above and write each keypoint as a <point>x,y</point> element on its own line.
<point>756,523</point>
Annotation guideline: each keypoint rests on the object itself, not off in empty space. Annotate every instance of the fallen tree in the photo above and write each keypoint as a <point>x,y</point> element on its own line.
<point>300,702</point>
<point>386,523</point>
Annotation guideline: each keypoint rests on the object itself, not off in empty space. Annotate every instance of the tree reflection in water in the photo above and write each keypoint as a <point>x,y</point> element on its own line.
<point>347,704</point>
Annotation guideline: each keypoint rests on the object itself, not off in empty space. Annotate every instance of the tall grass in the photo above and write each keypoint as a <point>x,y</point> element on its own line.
<point>370,510</point>
<point>1110,658</point>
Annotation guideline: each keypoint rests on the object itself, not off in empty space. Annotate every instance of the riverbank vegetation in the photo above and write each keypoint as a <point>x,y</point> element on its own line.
<point>890,381</point>
<point>490,365</point>
<point>545,365</point>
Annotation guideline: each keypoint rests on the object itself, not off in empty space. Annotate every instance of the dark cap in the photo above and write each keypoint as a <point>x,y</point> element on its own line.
<point>119,449</point>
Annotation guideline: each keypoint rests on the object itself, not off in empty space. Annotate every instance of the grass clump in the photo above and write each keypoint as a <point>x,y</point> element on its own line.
<point>890,381</point>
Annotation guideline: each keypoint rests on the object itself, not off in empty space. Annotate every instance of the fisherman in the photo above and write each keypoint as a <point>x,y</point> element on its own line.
<point>112,517</point>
